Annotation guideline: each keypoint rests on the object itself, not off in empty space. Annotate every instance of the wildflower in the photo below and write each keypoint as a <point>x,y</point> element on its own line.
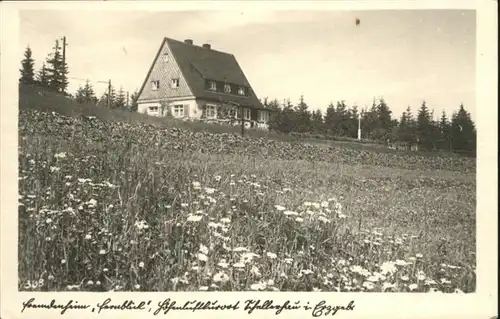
<point>288,261</point>
<point>60,155</point>
<point>240,249</point>
<point>420,275</point>
<point>209,190</point>
<point>223,263</point>
<point>194,218</point>
<point>239,265</point>
<point>203,249</point>
<point>271,255</point>
<point>48,239</point>
<point>445,281</point>
<point>221,277</point>
<point>388,267</point>
<point>290,213</point>
<point>225,220</point>
<point>255,271</point>
<point>299,219</point>
<point>413,287</point>
<point>137,286</point>
<point>307,271</point>
<point>63,261</point>
<point>401,263</point>
<point>102,252</point>
<point>92,202</point>
<point>280,208</point>
<point>88,236</point>
<point>196,185</point>
<point>203,288</point>
<point>404,278</point>
<point>141,264</point>
<point>429,282</point>
<point>50,277</point>
<point>248,257</point>
<point>419,255</point>
<point>270,282</point>
<point>48,220</point>
<point>202,257</point>
<point>368,285</point>
<point>90,283</point>
<point>387,285</point>
<point>98,283</point>
<point>324,204</point>
<point>259,286</point>
<point>54,169</point>
<point>372,278</point>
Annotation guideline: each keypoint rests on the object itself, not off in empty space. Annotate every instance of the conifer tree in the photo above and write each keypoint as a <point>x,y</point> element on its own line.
<point>57,70</point>
<point>42,77</point>
<point>28,69</point>
<point>119,102</point>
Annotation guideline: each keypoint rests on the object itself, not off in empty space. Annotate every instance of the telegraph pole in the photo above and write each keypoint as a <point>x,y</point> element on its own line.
<point>359,126</point>
<point>128,107</point>
<point>109,94</point>
<point>64,54</point>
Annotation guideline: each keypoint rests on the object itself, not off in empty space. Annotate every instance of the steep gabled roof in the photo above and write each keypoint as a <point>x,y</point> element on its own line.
<point>199,64</point>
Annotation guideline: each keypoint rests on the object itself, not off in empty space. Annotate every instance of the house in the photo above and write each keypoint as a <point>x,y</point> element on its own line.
<point>197,82</point>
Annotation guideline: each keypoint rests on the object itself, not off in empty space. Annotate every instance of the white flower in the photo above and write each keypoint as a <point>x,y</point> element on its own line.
<point>299,219</point>
<point>240,249</point>
<point>223,264</point>
<point>307,204</point>
<point>290,213</point>
<point>63,261</point>
<point>373,278</point>
<point>225,220</point>
<point>324,204</point>
<point>259,286</point>
<point>420,275</point>
<point>239,265</point>
<point>405,278</point>
<point>203,249</point>
<point>203,288</point>
<point>141,264</point>
<point>271,255</point>
<point>255,271</point>
<point>196,185</point>
<point>307,271</point>
<point>413,287</point>
<point>270,282</point>
<point>202,257</point>
<point>60,155</point>
<point>429,282</point>
<point>221,277</point>
<point>194,218</point>
<point>368,285</point>
<point>288,261</point>
<point>48,220</point>
<point>280,208</point>
<point>401,263</point>
<point>445,281</point>
<point>137,286</point>
<point>388,267</point>
<point>248,257</point>
<point>419,255</point>
<point>102,252</point>
<point>209,190</point>
<point>387,285</point>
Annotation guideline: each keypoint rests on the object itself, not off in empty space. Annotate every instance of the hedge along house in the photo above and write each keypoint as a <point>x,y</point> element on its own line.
<point>196,82</point>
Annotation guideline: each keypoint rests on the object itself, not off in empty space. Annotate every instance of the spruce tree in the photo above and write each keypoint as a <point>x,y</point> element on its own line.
<point>133,102</point>
<point>120,100</point>
<point>57,70</point>
<point>42,77</point>
<point>28,69</point>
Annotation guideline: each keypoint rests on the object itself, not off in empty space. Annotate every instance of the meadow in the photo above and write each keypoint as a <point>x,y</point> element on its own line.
<point>125,206</point>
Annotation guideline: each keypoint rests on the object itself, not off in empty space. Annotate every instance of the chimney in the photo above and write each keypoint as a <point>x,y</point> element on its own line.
<point>188,41</point>
<point>206,46</point>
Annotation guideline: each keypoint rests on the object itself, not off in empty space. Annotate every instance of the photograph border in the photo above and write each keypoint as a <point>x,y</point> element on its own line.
<point>481,304</point>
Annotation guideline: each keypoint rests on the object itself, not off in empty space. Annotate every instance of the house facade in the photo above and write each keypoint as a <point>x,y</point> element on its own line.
<point>194,82</point>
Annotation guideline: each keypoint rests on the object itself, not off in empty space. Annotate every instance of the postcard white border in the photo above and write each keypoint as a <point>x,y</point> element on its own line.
<point>482,304</point>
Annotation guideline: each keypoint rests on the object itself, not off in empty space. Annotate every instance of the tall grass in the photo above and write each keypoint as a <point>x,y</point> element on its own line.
<point>103,211</point>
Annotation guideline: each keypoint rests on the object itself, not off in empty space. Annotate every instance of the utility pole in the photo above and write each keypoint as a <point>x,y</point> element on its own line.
<point>359,126</point>
<point>64,54</point>
<point>128,106</point>
<point>109,94</point>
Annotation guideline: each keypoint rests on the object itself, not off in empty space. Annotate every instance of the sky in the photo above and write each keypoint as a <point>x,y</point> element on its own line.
<point>404,56</point>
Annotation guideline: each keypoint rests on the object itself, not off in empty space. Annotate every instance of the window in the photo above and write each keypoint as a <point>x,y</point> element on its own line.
<point>155,85</point>
<point>210,111</point>
<point>165,57</point>
<point>241,90</point>
<point>175,83</point>
<point>263,116</point>
<point>213,86</point>
<point>247,114</point>
<point>178,110</point>
<point>227,88</point>
<point>153,109</point>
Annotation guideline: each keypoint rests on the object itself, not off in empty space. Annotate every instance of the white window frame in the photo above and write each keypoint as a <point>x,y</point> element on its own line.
<point>153,109</point>
<point>264,116</point>
<point>178,110</point>
<point>241,90</point>
<point>247,114</point>
<point>155,85</point>
<point>174,83</point>
<point>213,86</point>
<point>227,88</point>
<point>210,111</point>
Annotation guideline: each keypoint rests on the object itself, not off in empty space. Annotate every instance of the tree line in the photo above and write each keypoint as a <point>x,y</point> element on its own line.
<point>456,132</point>
<point>53,75</point>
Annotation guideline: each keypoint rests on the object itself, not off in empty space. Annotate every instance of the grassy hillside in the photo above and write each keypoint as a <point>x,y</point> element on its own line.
<point>119,204</point>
